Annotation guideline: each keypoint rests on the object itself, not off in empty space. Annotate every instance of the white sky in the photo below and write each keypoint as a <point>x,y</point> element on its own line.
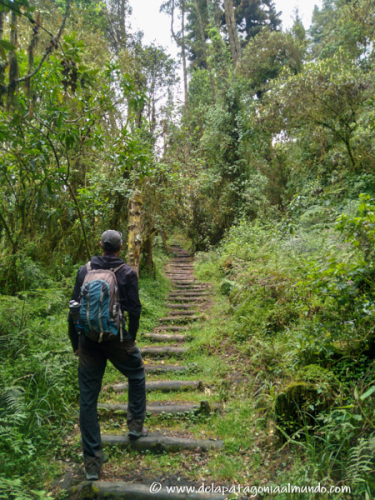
<point>156,26</point>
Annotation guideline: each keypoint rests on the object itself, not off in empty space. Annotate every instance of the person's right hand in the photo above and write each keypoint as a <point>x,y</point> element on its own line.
<point>76,353</point>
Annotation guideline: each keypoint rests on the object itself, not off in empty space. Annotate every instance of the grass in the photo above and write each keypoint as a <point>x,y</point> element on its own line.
<point>242,361</point>
<point>233,425</point>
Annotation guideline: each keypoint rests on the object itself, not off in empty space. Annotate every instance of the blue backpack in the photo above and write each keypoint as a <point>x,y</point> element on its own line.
<point>101,317</point>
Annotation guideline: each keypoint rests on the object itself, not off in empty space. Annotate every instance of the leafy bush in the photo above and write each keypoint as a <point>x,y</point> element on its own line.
<point>302,307</point>
<point>14,489</point>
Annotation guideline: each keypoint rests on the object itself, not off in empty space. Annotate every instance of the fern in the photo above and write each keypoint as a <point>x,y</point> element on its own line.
<point>12,404</point>
<point>361,460</point>
<point>14,489</point>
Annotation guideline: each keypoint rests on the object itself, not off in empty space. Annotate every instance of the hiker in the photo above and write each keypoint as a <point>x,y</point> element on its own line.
<point>110,341</point>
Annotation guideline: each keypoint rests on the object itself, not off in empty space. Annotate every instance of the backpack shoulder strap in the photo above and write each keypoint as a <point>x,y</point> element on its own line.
<point>118,268</point>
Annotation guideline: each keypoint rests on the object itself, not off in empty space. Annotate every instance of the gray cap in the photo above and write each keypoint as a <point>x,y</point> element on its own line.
<point>111,240</point>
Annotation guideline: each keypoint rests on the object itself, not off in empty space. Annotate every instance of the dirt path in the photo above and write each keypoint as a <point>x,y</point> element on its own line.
<point>169,380</point>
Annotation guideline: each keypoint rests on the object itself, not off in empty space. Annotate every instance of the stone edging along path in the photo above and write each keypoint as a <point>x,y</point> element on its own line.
<point>184,302</point>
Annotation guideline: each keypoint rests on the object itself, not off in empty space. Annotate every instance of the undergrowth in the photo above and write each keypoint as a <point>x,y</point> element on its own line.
<point>39,385</point>
<point>299,316</point>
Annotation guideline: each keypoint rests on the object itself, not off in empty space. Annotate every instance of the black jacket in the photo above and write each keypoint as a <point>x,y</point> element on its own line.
<point>127,281</point>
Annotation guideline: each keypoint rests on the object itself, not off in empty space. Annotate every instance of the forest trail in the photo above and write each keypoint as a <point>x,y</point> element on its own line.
<point>187,302</point>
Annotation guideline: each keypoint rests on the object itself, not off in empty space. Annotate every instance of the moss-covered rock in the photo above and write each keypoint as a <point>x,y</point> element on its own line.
<point>321,377</point>
<point>227,286</point>
<point>299,402</point>
<point>353,347</point>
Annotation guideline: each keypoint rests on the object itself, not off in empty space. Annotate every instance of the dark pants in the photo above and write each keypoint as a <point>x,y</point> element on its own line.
<point>92,362</point>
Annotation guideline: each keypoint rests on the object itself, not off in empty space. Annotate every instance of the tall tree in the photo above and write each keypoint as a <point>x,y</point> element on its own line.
<point>22,9</point>
<point>253,15</point>
<point>346,26</point>
<point>232,31</point>
<point>204,47</point>
<point>197,18</point>
<point>179,37</point>
<point>267,55</point>
<point>117,12</point>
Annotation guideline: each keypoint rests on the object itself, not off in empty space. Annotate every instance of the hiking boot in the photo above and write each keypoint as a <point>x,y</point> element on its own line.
<point>92,476</point>
<point>133,434</point>
<point>93,465</point>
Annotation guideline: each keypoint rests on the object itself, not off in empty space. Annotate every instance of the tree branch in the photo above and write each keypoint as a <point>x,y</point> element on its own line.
<point>17,11</point>
<point>7,230</point>
<point>53,44</point>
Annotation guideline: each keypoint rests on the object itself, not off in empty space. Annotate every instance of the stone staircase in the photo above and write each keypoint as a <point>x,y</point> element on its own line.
<point>186,302</point>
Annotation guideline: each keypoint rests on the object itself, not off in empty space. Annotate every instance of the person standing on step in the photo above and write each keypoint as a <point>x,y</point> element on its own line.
<point>105,288</point>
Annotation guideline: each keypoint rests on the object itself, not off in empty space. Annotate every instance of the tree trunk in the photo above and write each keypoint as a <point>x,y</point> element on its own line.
<point>134,230</point>
<point>4,64</point>
<point>217,14</point>
<point>1,25</point>
<point>164,238</point>
<point>33,44</point>
<point>147,253</point>
<point>204,48</point>
<point>13,62</point>
<point>234,42</point>
<point>181,42</point>
<point>183,53</point>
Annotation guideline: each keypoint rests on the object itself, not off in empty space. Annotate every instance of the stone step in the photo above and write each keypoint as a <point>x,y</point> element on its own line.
<point>187,267</point>
<point>182,282</point>
<point>197,299</point>
<point>193,286</point>
<point>182,313</point>
<point>178,272</point>
<point>170,328</point>
<point>159,444</point>
<point>158,351</point>
<point>165,368</point>
<point>182,293</point>
<point>188,298</point>
<point>159,408</point>
<point>181,275</point>
<point>120,490</point>
<point>181,319</point>
<point>179,280</point>
<point>160,337</point>
<point>164,385</point>
<point>182,306</point>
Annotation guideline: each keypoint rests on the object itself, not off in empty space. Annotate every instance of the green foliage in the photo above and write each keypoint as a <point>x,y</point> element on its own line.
<point>253,15</point>
<point>38,383</point>
<point>267,55</point>
<point>13,489</point>
<point>361,460</point>
<point>153,292</point>
<point>300,307</point>
<point>39,387</point>
<point>266,161</point>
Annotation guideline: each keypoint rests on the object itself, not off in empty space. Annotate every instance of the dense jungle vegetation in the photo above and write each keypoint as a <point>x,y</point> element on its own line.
<point>265,167</point>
